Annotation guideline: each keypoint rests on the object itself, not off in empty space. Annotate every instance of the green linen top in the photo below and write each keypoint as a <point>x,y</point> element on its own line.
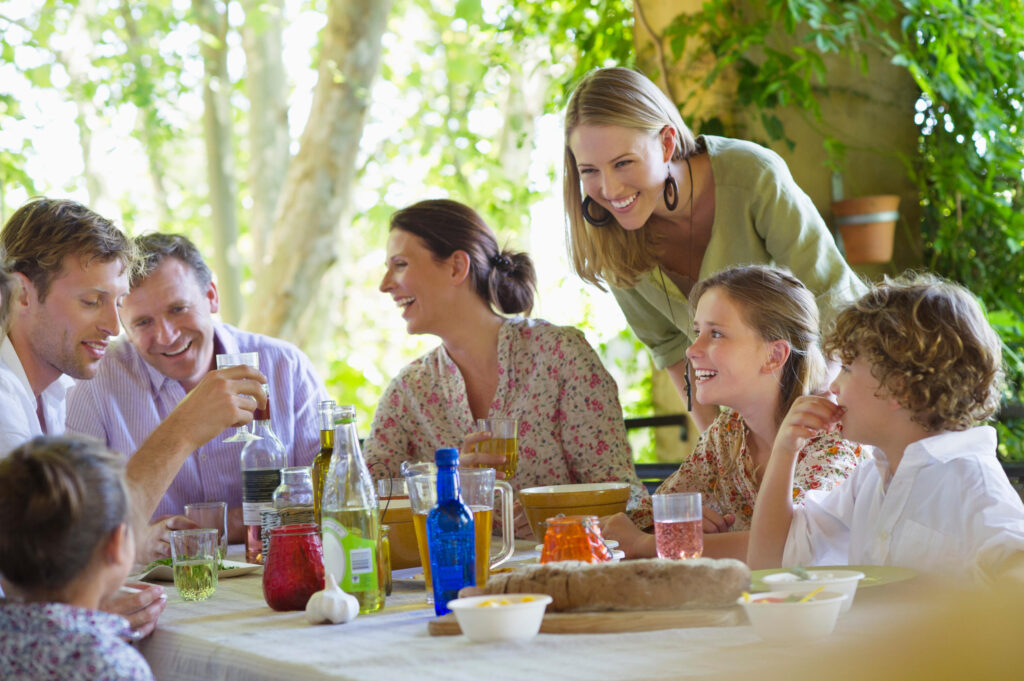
<point>761,217</point>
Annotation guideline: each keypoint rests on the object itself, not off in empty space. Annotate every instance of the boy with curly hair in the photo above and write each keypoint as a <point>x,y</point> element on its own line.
<point>921,368</point>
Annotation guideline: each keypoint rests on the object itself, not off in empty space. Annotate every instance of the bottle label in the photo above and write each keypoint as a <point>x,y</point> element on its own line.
<point>251,512</point>
<point>258,485</point>
<point>353,557</point>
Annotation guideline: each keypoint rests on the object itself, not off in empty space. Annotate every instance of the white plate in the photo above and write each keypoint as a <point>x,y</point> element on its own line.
<point>164,573</point>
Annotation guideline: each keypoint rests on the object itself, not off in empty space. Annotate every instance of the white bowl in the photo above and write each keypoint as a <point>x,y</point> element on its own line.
<point>839,581</point>
<point>785,622</point>
<point>500,617</point>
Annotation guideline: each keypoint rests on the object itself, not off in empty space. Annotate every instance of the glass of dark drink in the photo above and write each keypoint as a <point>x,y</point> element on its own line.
<point>251,359</point>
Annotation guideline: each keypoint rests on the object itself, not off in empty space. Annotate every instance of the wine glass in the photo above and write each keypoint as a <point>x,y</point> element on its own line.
<point>233,359</point>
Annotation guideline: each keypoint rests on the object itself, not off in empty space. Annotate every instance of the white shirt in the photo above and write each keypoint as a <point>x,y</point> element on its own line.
<point>18,419</point>
<point>949,509</point>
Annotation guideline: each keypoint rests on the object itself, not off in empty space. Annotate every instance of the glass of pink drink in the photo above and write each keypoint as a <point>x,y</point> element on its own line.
<point>677,525</point>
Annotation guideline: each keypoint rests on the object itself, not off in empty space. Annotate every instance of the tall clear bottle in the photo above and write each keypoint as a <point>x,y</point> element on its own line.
<point>450,535</point>
<point>350,521</point>
<point>262,461</point>
<point>322,463</point>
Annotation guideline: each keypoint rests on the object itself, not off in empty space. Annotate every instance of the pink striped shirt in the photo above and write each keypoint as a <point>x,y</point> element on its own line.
<point>128,398</point>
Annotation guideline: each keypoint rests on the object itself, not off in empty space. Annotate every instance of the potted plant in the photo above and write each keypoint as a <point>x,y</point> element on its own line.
<point>867,227</point>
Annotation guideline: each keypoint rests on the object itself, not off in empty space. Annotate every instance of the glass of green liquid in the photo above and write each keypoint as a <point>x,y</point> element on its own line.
<point>194,560</point>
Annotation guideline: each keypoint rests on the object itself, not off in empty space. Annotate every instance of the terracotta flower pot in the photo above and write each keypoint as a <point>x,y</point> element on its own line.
<point>867,225</point>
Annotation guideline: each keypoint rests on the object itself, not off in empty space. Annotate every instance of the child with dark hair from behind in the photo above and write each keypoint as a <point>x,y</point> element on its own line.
<point>921,368</point>
<point>66,543</point>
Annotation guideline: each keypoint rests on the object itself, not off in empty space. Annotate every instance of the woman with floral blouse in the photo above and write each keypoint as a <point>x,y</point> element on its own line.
<point>450,279</point>
<point>756,351</point>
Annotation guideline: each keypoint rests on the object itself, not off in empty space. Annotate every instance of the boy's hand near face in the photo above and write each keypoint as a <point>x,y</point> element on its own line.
<point>773,512</point>
<point>809,416</point>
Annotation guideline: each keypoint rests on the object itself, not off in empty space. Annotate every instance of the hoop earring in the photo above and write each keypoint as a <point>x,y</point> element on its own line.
<point>596,222</point>
<point>671,189</point>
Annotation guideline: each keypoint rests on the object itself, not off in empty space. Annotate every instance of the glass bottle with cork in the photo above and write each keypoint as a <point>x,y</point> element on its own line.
<point>451,534</point>
<point>318,469</point>
<point>262,460</point>
<point>350,520</point>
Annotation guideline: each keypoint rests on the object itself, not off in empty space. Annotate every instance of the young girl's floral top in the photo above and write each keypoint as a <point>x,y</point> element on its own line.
<point>721,471</point>
<point>549,378</point>
<point>41,641</point>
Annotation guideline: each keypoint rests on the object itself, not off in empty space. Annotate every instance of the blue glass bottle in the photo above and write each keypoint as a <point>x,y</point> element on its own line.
<point>450,535</point>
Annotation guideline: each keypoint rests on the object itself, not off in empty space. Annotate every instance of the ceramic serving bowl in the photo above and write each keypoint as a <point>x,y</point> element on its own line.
<point>777,620</point>
<point>595,498</point>
<point>502,617</point>
<point>838,581</point>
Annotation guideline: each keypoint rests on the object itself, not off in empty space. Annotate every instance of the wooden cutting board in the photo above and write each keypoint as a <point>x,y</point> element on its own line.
<point>608,622</point>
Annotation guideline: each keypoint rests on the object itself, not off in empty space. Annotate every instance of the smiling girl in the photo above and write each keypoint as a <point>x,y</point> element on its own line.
<point>449,278</point>
<point>755,352</point>
<point>651,209</point>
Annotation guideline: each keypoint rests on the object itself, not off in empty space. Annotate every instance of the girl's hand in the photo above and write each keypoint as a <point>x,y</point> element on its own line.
<point>714,522</point>
<point>633,541</point>
<point>473,459</point>
<point>141,604</point>
<point>810,415</point>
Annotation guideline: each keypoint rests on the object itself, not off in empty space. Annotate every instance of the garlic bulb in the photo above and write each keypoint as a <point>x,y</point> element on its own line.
<point>331,605</point>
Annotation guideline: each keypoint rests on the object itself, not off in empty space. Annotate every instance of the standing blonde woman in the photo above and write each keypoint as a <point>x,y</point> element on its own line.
<point>651,210</point>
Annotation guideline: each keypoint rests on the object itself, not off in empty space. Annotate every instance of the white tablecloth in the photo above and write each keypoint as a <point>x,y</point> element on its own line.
<point>235,635</point>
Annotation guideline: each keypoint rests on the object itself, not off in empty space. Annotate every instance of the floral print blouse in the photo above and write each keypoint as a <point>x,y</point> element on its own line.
<point>823,463</point>
<point>41,641</point>
<point>550,379</point>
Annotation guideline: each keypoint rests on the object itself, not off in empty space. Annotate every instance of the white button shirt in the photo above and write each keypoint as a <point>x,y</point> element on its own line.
<point>949,509</point>
<point>18,419</point>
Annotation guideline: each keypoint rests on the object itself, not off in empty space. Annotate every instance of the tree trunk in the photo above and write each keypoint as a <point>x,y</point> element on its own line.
<point>213,21</point>
<point>148,126</point>
<point>76,60</point>
<point>266,87</point>
<point>317,191</point>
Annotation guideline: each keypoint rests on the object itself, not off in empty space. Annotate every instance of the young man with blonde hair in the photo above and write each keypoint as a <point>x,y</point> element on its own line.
<point>71,267</point>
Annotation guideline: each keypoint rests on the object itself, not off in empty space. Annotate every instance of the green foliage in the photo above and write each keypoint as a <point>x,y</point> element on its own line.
<point>482,75</point>
<point>966,57</point>
<point>467,81</point>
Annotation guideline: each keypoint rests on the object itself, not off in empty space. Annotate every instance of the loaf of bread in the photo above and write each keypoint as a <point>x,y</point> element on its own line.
<point>650,584</point>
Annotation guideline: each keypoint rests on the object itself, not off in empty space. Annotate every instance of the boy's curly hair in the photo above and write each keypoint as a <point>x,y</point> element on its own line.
<point>929,346</point>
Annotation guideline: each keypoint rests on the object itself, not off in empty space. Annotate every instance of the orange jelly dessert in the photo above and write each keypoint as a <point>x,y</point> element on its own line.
<point>574,537</point>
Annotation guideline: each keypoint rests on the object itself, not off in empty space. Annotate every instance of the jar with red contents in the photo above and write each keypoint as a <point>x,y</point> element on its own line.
<point>574,537</point>
<point>294,568</point>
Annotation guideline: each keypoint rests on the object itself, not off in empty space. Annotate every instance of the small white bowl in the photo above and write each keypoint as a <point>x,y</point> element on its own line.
<point>839,581</point>
<point>785,622</point>
<point>500,617</point>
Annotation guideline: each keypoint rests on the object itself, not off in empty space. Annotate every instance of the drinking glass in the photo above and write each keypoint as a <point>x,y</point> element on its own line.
<point>194,562</point>
<point>251,359</point>
<point>211,515</point>
<point>477,487</point>
<point>504,440</point>
<point>678,532</point>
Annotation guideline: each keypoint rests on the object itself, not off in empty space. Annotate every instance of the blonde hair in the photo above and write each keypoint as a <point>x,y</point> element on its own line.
<point>41,233</point>
<point>778,307</point>
<point>929,346</point>
<point>627,99</point>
